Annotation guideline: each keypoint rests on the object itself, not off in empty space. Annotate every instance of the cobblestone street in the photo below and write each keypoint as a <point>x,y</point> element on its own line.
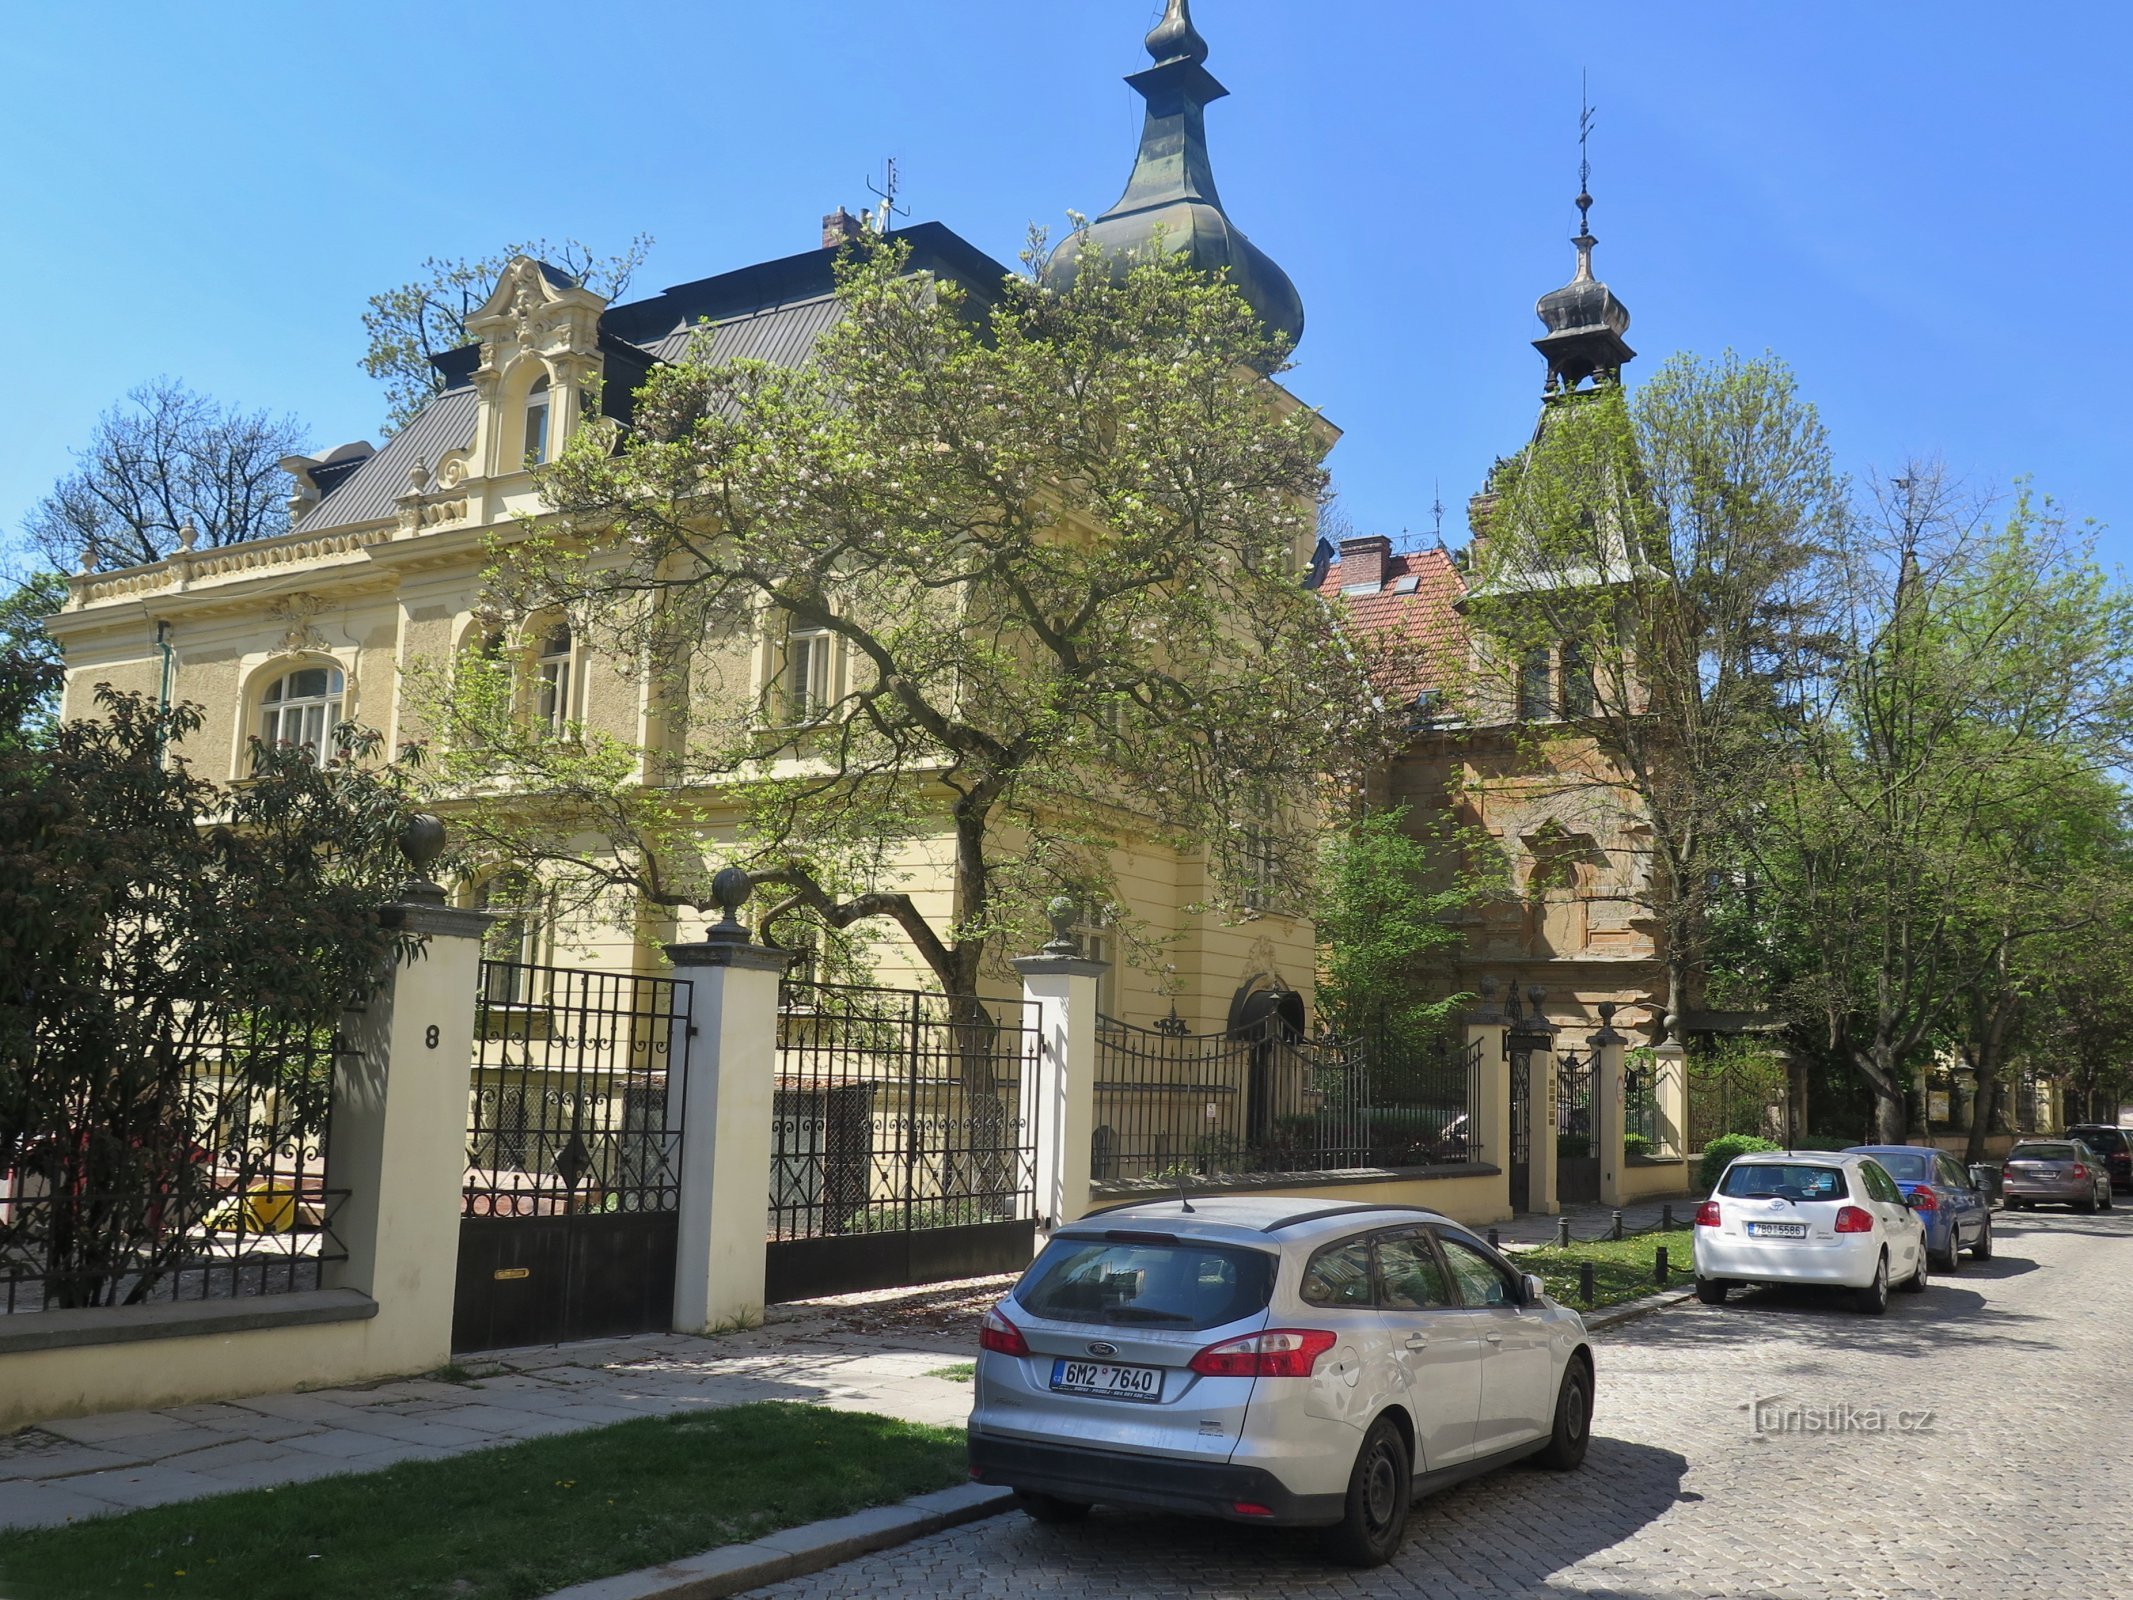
<point>2018,1486</point>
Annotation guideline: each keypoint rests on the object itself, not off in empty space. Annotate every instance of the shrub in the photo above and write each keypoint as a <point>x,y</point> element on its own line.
<point>1636,1144</point>
<point>1572,1146</point>
<point>1719,1153</point>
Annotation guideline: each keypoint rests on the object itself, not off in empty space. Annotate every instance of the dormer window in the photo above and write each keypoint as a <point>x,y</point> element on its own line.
<point>537,399</point>
<point>551,683</point>
<point>303,708</point>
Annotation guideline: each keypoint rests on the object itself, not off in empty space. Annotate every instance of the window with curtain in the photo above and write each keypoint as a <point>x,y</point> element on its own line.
<point>551,681</point>
<point>806,685</point>
<point>303,708</point>
<point>537,399</point>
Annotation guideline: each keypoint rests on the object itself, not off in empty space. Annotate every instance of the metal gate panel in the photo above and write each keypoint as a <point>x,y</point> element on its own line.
<point>903,1142</point>
<point>1521,1130</point>
<point>569,1211</point>
<point>1577,1131</point>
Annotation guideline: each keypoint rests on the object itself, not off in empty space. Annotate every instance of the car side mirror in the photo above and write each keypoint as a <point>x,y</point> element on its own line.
<point>1531,1290</point>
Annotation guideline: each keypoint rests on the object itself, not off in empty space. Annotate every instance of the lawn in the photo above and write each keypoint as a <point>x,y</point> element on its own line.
<point>1621,1269</point>
<point>504,1524</point>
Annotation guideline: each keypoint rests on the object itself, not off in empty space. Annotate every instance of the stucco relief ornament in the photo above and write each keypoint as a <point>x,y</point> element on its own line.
<point>296,613</point>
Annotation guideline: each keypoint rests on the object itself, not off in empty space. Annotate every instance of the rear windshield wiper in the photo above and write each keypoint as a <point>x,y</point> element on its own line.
<point>1142,1314</point>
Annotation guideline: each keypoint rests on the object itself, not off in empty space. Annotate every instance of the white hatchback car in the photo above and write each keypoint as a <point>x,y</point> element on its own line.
<point>1271,1360</point>
<point>1806,1217</point>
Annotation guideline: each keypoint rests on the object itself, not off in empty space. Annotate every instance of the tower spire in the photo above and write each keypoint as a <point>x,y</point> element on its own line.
<point>1171,195</point>
<point>1585,321</point>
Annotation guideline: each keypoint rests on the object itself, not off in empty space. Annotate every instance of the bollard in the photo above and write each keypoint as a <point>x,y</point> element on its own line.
<point>1562,1233</point>
<point>1492,1240</point>
<point>1666,1217</point>
<point>1585,1283</point>
<point>1659,1266</point>
<point>1617,1230</point>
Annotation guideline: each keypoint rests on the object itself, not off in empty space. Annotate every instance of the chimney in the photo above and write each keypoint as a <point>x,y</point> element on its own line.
<point>1363,561</point>
<point>840,227</point>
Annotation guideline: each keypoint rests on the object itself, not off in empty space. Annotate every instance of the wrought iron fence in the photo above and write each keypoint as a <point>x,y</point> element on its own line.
<point>896,1111</point>
<point>573,1109</point>
<point>1169,1105</point>
<point>209,1183</point>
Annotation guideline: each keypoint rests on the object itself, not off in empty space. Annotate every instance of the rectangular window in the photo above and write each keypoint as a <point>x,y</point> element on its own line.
<point>1533,684</point>
<point>1577,696</point>
<point>807,676</point>
<point>1099,942</point>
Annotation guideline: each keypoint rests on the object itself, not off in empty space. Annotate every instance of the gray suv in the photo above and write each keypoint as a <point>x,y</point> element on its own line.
<point>1272,1360</point>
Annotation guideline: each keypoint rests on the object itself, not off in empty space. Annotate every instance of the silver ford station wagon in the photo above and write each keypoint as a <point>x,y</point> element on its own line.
<point>1272,1360</point>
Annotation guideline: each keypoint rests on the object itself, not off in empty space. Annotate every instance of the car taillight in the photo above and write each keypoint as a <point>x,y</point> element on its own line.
<point>2080,1171</point>
<point>1852,1220</point>
<point>1925,1200</point>
<point>1276,1353</point>
<point>1707,1215</point>
<point>1000,1336</point>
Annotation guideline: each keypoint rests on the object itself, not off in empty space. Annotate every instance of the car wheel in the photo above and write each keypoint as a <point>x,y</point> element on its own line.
<point>1049,1508</point>
<point>1916,1283</point>
<point>1874,1298</point>
<point>1379,1490</point>
<point>2086,1207</point>
<point>1982,1250</point>
<point>1949,1261</point>
<point>1573,1421</point>
<point>1712,1291</point>
<point>2107,1202</point>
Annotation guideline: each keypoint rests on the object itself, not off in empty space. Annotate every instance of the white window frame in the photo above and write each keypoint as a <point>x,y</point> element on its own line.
<point>304,719</point>
<point>521,925</point>
<point>807,680</point>
<point>554,678</point>
<point>539,422</point>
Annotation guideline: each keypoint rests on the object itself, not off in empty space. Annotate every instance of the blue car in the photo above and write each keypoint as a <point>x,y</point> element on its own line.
<point>1956,1212</point>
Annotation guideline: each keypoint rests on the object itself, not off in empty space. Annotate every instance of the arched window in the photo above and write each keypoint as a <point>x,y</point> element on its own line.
<point>303,708</point>
<point>537,422</point>
<point>551,681</point>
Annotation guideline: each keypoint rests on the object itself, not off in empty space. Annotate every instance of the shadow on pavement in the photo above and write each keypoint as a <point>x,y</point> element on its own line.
<point>1506,1532</point>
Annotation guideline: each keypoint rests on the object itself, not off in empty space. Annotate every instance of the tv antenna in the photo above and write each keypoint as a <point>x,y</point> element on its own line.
<point>885,214</point>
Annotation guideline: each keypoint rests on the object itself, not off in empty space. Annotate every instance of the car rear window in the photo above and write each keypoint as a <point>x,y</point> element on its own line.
<point>1117,1282</point>
<point>2104,1141</point>
<point>2041,1152</point>
<point>1775,1180</point>
<point>1908,1168</point>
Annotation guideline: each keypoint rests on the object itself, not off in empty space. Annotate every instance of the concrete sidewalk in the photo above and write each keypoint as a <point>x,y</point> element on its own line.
<point>67,1470</point>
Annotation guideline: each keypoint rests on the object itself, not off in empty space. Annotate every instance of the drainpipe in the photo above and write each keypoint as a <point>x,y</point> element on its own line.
<point>163,689</point>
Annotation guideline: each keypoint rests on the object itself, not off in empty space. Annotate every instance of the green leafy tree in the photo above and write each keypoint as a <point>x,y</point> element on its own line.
<point>139,948</point>
<point>1049,544</point>
<point>32,671</point>
<point>426,316</point>
<point>1927,833</point>
<point>1388,925</point>
<point>1649,578</point>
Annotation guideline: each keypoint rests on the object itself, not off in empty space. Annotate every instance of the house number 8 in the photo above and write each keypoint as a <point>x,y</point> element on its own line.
<point>430,1038</point>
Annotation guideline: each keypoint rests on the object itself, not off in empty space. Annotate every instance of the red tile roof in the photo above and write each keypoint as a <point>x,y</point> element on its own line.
<point>1422,617</point>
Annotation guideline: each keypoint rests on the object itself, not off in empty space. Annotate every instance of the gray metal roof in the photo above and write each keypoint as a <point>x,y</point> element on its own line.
<point>372,492</point>
<point>784,334</point>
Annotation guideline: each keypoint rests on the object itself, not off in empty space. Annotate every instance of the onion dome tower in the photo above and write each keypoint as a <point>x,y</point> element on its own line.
<point>1585,321</point>
<point>1172,191</point>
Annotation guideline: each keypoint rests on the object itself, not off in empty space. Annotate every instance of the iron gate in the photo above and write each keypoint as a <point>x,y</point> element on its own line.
<point>1577,1130</point>
<point>903,1142</point>
<point>568,1218</point>
<point>1521,1130</point>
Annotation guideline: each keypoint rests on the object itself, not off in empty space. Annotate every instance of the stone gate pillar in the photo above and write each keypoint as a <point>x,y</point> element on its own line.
<point>1610,1106</point>
<point>728,1099</point>
<point>1059,997</point>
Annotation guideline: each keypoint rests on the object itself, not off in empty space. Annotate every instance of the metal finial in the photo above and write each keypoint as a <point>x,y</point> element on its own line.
<point>1175,38</point>
<point>1606,1009</point>
<point>422,842</point>
<point>731,889</point>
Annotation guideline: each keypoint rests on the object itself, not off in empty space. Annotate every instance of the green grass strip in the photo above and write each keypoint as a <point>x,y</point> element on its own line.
<point>510,1523</point>
<point>1621,1269</point>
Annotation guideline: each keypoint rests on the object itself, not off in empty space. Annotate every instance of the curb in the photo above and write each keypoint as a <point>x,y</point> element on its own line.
<point>733,1568</point>
<point>1630,1310</point>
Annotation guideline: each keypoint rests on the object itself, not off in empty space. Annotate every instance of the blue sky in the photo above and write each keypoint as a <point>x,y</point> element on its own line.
<point>1923,208</point>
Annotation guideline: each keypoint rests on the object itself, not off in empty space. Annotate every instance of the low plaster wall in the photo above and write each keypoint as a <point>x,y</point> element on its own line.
<point>70,1363</point>
<point>1656,1179</point>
